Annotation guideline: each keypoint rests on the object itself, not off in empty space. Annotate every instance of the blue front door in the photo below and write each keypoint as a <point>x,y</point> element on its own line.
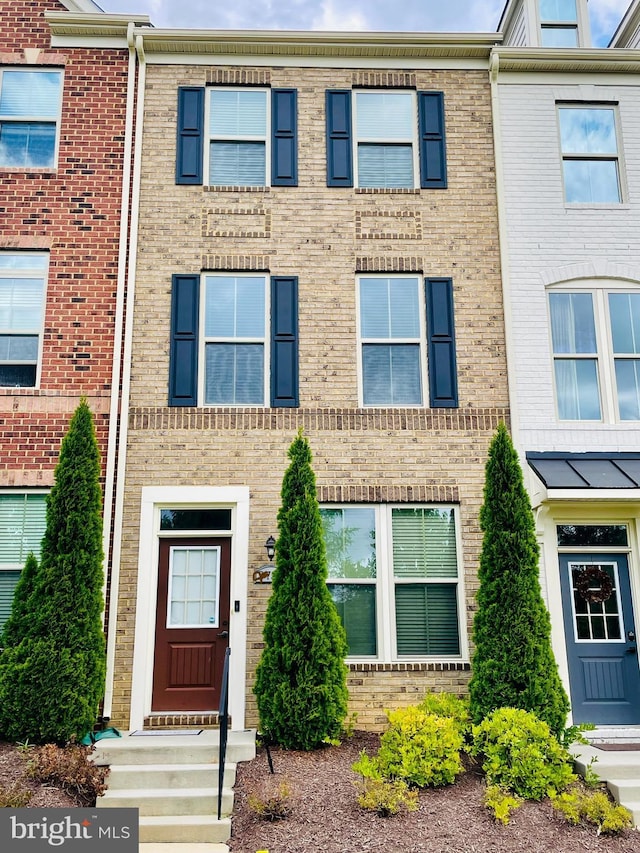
<point>600,634</point>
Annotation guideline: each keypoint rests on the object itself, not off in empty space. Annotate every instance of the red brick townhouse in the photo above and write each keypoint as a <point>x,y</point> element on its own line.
<point>66,120</point>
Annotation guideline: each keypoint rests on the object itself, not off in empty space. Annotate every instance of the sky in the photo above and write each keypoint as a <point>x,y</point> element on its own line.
<point>381,15</point>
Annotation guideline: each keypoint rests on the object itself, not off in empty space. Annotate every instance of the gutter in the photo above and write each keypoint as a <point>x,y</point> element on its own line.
<point>118,421</point>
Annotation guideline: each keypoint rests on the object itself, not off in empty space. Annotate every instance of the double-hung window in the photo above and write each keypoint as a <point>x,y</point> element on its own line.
<point>590,159</point>
<point>395,579</point>
<point>596,350</point>
<point>237,136</point>
<point>234,340</point>
<point>22,525</point>
<point>29,117</point>
<point>405,323</point>
<point>393,139</point>
<point>559,23</point>
<point>22,288</point>
<point>236,359</point>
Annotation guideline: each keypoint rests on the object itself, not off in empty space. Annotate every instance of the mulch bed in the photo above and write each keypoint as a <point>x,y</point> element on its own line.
<point>325,817</point>
<point>13,771</point>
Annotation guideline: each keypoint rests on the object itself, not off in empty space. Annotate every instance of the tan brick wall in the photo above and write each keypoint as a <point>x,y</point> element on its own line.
<point>324,236</point>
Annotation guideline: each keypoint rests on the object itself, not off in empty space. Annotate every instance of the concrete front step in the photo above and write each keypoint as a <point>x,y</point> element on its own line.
<point>175,749</point>
<point>619,769</point>
<point>167,801</point>
<point>169,776</point>
<point>192,829</point>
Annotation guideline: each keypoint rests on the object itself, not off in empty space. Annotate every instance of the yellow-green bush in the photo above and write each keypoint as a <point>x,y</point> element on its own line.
<point>519,753</point>
<point>448,705</point>
<point>386,797</point>
<point>594,807</point>
<point>501,803</point>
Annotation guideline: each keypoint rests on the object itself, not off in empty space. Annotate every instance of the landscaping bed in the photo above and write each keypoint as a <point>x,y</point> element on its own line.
<point>325,817</point>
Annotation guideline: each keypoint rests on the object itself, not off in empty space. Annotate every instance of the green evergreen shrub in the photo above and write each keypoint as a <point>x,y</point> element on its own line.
<point>593,807</point>
<point>501,803</point>
<point>513,663</point>
<point>300,682</point>
<point>419,748</point>
<point>520,753</point>
<point>52,679</point>
<point>386,797</point>
<point>17,625</point>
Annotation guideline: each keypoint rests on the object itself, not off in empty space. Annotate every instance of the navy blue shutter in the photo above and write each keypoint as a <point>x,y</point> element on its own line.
<point>284,138</point>
<point>190,135</point>
<point>443,379</point>
<point>433,155</point>
<point>284,342</point>
<point>339,151</point>
<point>183,353</point>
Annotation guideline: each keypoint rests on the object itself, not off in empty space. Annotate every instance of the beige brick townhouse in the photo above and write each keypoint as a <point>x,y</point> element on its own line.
<point>316,246</point>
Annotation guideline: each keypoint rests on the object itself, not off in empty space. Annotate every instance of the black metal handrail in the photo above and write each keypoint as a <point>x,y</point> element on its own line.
<point>223,720</point>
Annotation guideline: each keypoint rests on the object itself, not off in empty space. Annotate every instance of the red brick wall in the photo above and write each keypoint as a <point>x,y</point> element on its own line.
<point>73,212</point>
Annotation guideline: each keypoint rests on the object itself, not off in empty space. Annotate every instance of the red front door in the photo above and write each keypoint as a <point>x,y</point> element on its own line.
<point>192,623</point>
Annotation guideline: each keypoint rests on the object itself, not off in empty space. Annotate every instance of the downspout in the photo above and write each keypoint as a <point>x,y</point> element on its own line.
<point>494,69</point>
<point>122,360</point>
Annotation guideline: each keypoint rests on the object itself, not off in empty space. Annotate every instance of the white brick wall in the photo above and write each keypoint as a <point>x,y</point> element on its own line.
<point>549,242</point>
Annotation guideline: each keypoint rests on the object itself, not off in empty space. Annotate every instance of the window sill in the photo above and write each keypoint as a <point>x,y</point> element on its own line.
<point>239,189</point>
<point>29,170</point>
<point>387,191</point>
<point>447,665</point>
<point>588,205</point>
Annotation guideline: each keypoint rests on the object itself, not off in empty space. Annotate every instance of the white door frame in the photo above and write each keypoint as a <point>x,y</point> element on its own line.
<point>153,499</point>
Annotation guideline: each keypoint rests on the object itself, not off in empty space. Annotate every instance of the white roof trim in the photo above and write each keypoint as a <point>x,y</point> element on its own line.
<point>81,6</point>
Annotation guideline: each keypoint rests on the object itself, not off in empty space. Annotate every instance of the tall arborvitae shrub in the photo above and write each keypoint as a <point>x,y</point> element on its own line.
<point>52,680</point>
<point>301,677</point>
<point>513,663</point>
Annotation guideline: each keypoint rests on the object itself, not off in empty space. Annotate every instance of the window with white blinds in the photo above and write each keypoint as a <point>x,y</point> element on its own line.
<point>22,525</point>
<point>22,287</point>
<point>234,340</point>
<point>394,576</point>
<point>29,116</point>
<point>392,341</point>
<point>238,137</point>
<point>385,139</point>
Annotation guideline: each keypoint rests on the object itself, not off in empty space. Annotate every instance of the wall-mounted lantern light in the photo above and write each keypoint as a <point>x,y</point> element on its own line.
<point>270,545</point>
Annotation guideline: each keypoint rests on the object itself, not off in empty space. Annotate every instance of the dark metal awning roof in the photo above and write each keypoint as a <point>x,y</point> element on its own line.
<point>587,470</point>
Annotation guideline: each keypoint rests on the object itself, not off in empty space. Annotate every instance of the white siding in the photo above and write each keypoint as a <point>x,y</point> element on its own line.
<point>516,34</point>
<point>549,241</point>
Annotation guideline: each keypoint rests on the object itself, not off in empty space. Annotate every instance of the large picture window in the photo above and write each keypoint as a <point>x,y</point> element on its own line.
<point>596,350</point>
<point>394,577</point>
<point>22,287</point>
<point>29,116</point>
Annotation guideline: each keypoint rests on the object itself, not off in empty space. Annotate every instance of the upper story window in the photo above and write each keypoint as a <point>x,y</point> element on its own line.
<point>22,526</point>
<point>22,288</point>
<point>404,324</point>
<point>234,340</point>
<point>235,352</point>
<point>237,136</point>
<point>590,160</point>
<point>29,117</point>
<point>596,350</point>
<point>559,23</point>
<point>385,139</point>
<point>395,579</point>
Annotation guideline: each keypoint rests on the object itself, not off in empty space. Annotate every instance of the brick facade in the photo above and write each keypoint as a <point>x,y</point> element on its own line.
<point>73,213</point>
<point>324,236</point>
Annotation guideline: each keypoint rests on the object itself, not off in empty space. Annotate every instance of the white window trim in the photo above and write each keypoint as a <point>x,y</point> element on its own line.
<point>265,341</point>
<point>385,582</point>
<point>424,378</point>
<point>30,273</point>
<point>35,118</point>
<point>604,358</point>
<point>236,137</point>
<point>11,567</point>
<point>590,157</point>
<point>413,140</point>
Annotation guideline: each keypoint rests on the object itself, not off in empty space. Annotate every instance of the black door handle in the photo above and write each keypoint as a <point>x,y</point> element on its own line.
<point>223,634</point>
<point>631,650</point>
